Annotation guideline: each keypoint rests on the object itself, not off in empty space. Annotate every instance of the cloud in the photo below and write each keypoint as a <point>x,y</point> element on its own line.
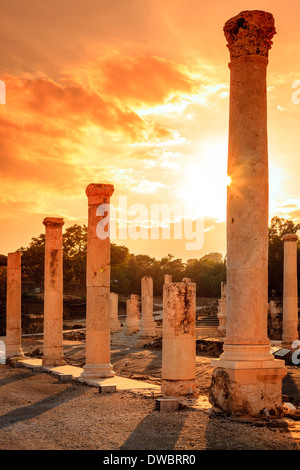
<point>70,103</point>
<point>141,80</point>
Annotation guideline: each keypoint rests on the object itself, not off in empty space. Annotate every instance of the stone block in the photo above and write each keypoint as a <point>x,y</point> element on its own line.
<point>103,389</point>
<point>65,378</point>
<point>167,404</point>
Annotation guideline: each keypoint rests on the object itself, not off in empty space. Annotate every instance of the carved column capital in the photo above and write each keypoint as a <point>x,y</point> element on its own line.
<point>250,33</point>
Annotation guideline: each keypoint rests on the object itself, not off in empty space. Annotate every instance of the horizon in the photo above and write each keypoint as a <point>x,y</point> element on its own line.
<point>142,104</point>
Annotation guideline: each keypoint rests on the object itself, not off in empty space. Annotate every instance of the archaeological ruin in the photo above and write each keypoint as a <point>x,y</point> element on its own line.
<point>246,379</point>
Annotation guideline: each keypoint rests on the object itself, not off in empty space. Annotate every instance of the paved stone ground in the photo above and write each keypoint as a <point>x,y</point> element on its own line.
<point>145,364</point>
<point>38,412</point>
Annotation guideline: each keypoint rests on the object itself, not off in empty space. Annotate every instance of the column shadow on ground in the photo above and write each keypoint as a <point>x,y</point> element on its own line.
<point>159,431</point>
<point>40,407</point>
<point>291,386</point>
<point>15,378</point>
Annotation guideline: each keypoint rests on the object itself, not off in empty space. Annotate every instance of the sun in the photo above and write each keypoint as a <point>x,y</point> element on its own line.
<point>205,179</point>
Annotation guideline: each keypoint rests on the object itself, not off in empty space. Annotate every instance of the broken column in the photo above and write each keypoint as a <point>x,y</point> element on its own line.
<point>132,315</point>
<point>147,324</point>
<point>167,278</point>
<point>98,283</point>
<point>179,340</point>
<point>290,290</point>
<point>53,293</point>
<point>115,324</point>
<point>13,346</point>
<point>222,310</point>
<point>247,378</point>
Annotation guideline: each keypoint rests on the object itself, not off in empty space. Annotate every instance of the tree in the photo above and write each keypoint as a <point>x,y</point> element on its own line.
<point>278,228</point>
<point>74,251</point>
<point>3,260</point>
<point>33,260</point>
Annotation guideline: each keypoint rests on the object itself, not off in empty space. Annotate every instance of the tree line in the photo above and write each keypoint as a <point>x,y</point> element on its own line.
<point>127,269</point>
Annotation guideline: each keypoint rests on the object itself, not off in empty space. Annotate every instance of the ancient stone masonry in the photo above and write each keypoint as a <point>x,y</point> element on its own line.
<point>147,324</point>
<point>247,378</point>
<point>290,290</point>
<point>13,306</point>
<point>114,319</point>
<point>222,310</point>
<point>250,33</point>
<point>179,340</point>
<point>132,315</point>
<point>98,285</point>
<point>53,293</point>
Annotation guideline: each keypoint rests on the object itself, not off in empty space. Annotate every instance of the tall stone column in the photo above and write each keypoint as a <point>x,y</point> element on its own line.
<point>132,315</point>
<point>114,319</point>
<point>98,284</point>
<point>290,290</point>
<point>179,340</point>
<point>53,293</point>
<point>147,324</point>
<point>222,310</point>
<point>248,379</point>
<point>13,346</point>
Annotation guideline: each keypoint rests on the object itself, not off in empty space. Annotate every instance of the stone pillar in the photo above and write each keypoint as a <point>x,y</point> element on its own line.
<point>290,290</point>
<point>147,324</point>
<point>53,293</point>
<point>222,310</point>
<point>98,283</point>
<point>132,315</point>
<point>115,324</point>
<point>247,378</point>
<point>168,279</point>
<point>13,307</point>
<point>179,340</point>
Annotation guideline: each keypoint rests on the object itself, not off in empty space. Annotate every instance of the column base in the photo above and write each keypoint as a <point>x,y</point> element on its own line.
<point>97,371</point>
<point>53,361</point>
<point>14,353</point>
<point>247,388</point>
<point>179,388</point>
<point>287,344</point>
<point>114,327</point>
<point>147,329</point>
<point>131,327</point>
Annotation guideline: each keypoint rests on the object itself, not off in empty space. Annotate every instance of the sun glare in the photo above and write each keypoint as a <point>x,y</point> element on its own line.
<point>206,180</point>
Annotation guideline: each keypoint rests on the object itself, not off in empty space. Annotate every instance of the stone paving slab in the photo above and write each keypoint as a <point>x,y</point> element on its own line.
<point>122,383</point>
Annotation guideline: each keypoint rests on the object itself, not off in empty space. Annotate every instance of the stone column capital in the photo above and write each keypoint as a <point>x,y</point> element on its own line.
<point>53,222</point>
<point>290,237</point>
<point>99,193</point>
<point>250,33</point>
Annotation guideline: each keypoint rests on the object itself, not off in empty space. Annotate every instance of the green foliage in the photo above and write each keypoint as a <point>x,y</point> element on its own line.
<point>127,269</point>
<point>33,260</point>
<point>278,228</point>
<point>74,251</point>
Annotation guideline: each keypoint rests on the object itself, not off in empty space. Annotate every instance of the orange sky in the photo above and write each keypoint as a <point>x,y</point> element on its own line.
<point>133,93</point>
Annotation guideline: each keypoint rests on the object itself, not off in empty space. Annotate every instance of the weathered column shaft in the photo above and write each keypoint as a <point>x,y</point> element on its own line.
<point>114,319</point>
<point>13,306</point>
<point>167,278</point>
<point>147,324</point>
<point>290,290</point>
<point>53,293</point>
<point>248,378</point>
<point>132,315</point>
<point>98,283</point>
<point>179,340</point>
<point>222,310</point>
